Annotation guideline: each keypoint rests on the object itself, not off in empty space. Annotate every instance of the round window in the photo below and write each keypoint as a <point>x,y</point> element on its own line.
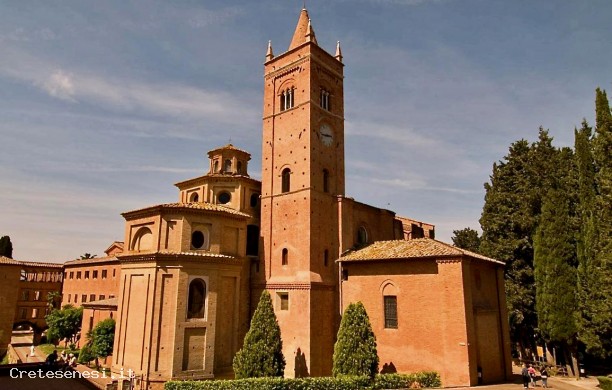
<point>224,197</point>
<point>197,239</point>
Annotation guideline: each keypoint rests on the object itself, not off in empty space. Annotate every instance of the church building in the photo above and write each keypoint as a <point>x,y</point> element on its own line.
<point>183,284</point>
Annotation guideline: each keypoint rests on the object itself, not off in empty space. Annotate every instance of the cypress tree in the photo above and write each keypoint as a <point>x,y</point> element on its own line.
<point>596,332</point>
<point>355,350</point>
<point>262,352</point>
<point>6,247</point>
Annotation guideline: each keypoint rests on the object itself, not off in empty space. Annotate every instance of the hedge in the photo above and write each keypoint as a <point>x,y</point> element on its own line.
<point>385,381</point>
<point>605,382</point>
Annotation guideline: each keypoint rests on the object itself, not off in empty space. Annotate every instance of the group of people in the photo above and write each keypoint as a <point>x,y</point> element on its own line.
<point>530,376</point>
<point>62,361</point>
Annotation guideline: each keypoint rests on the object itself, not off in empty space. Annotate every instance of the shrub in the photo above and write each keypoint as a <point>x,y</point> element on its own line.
<point>86,355</point>
<point>604,382</point>
<point>389,381</point>
<point>262,352</point>
<point>355,351</point>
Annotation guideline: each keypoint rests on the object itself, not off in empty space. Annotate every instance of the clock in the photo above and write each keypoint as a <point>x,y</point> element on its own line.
<point>327,135</point>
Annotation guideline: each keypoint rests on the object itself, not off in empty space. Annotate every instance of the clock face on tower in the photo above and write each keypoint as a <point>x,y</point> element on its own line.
<point>327,135</point>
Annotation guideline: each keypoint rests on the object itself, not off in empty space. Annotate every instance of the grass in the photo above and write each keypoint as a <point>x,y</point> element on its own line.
<point>48,348</point>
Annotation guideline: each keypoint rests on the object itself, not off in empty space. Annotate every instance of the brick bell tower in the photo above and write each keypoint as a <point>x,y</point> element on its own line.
<point>302,180</point>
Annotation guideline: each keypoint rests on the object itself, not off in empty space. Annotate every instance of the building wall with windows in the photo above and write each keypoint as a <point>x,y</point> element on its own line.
<point>89,280</point>
<point>427,310</point>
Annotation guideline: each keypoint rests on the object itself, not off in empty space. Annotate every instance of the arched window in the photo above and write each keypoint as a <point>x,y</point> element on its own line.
<point>286,180</point>
<point>228,166</point>
<point>197,298</point>
<point>239,167</point>
<point>285,259</point>
<point>325,100</point>
<point>216,166</point>
<point>325,180</point>
<point>362,236</point>
<point>254,200</point>
<point>194,197</point>
<point>142,240</point>
<point>286,99</point>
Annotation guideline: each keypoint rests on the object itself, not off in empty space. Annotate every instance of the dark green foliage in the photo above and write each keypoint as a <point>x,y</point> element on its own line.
<point>6,247</point>
<point>467,238</point>
<point>64,324</point>
<point>355,349</point>
<point>555,270</point>
<point>605,383</point>
<point>509,220</point>
<point>86,355</point>
<point>596,266</point>
<point>261,355</point>
<point>102,337</point>
<point>387,381</point>
<point>54,299</point>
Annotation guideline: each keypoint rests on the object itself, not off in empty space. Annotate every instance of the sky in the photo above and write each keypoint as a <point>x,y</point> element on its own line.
<point>104,105</point>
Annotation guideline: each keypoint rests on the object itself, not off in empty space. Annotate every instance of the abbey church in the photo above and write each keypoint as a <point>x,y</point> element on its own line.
<point>188,275</point>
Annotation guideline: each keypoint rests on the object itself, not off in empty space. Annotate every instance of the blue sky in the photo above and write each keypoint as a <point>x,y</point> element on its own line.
<point>105,104</point>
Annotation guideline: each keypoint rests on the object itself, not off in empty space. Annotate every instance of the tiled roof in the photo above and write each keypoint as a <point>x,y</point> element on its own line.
<point>6,260</point>
<point>177,253</point>
<point>229,147</point>
<point>410,249</point>
<point>91,260</point>
<point>103,302</point>
<point>193,206</point>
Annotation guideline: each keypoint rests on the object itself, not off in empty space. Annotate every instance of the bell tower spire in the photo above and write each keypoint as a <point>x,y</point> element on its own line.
<point>303,30</point>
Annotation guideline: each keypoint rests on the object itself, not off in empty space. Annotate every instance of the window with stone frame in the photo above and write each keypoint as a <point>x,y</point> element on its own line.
<point>287,98</point>
<point>286,180</point>
<point>196,299</point>
<point>325,100</point>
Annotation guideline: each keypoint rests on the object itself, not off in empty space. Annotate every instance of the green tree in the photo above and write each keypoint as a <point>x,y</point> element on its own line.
<point>101,339</point>
<point>596,319</point>
<point>555,273</point>
<point>510,217</point>
<point>54,299</point>
<point>6,247</point>
<point>86,355</point>
<point>64,324</point>
<point>262,352</point>
<point>355,350</point>
<point>466,238</point>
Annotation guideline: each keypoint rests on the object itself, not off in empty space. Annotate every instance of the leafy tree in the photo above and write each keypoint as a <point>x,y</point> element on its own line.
<point>101,339</point>
<point>6,247</point>
<point>262,352</point>
<point>355,350</point>
<point>54,299</point>
<point>467,238</point>
<point>88,256</point>
<point>64,324</point>
<point>86,355</point>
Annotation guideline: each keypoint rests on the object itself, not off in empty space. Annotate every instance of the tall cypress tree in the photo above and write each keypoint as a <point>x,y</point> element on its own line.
<point>6,247</point>
<point>596,330</point>
<point>555,263</point>
<point>262,352</point>
<point>355,350</point>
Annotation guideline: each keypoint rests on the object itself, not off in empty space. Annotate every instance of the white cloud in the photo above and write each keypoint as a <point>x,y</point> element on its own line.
<point>60,85</point>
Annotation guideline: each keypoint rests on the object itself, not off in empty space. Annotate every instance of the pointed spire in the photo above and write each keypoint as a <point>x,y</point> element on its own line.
<point>338,55</point>
<point>303,31</point>
<point>269,53</point>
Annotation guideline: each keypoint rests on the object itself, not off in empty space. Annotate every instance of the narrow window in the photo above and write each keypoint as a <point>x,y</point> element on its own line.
<point>23,313</point>
<point>362,236</point>
<point>252,248</point>
<point>86,274</point>
<point>34,313</point>
<point>216,167</point>
<point>325,180</point>
<point>95,274</point>
<point>104,274</point>
<point>254,200</point>
<point>286,99</point>
<point>283,298</point>
<point>83,298</point>
<point>286,180</point>
<point>390,312</point>
<point>37,295</point>
<point>68,298</point>
<point>25,295</point>
<point>71,274</point>
<point>92,297</point>
<point>228,166</point>
<point>78,274</point>
<point>114,273</point>
<point>197,296</point>
<point>325,257</point>
<point>76,298</point>
<point>239,167</point>
<point>285,260</point>
<point>345,274</point>
<point>325,100</point>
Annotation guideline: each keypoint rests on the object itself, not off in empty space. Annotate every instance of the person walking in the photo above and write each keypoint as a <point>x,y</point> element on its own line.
<point>532,376</point>
<point>525,376</point>
<point>544,376</point>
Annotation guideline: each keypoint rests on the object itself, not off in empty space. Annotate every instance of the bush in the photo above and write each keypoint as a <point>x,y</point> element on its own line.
<point>86,354</point>
<point>604,382</point>
<point>387,381</point>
